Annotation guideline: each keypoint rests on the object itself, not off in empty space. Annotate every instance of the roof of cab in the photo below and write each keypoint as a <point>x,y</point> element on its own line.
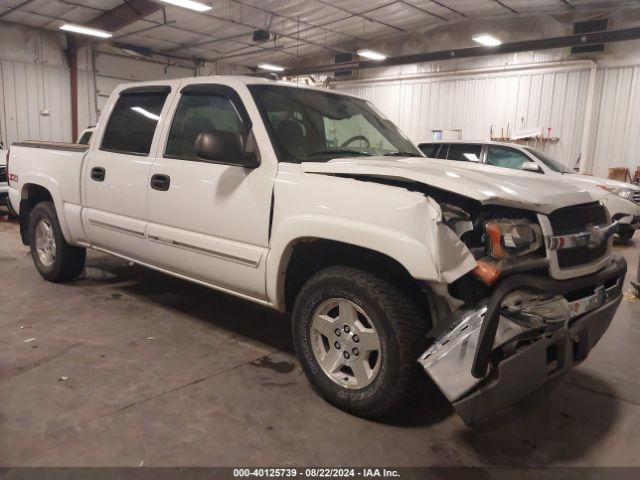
<point>244,79</point>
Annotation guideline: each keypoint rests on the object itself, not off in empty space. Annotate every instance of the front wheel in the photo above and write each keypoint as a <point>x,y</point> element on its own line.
<point>358,339</point>
<point>54,258</point>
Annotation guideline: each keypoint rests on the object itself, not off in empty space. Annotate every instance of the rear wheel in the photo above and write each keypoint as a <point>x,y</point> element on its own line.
<point>54,258</point>
<point>358,339</point>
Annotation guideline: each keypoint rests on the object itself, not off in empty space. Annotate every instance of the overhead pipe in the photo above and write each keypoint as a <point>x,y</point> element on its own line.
<point>513,47</point>
<point>559,65</point>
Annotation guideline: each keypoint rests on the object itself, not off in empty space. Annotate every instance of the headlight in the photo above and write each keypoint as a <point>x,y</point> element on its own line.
<point>619,191</point>
<point>510,237</point>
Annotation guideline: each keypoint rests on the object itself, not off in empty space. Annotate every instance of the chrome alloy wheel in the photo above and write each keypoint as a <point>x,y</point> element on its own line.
<point>345,343</point>
<point>45,242</point>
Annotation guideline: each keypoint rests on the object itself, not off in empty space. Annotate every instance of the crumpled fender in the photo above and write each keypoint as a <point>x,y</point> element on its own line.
<point>403,225</point>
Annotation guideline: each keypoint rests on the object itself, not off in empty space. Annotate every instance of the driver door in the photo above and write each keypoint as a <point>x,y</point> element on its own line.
<point>209,221</point>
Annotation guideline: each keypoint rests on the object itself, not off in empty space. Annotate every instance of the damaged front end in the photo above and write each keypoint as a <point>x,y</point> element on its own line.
<point>527,333</point>
<point>543,292</point>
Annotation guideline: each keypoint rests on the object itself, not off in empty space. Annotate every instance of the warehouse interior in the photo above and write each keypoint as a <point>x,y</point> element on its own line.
<point>130,367</point>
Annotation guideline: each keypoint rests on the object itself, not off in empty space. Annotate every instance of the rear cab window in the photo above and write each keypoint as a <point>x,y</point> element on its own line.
<point>134,119</point>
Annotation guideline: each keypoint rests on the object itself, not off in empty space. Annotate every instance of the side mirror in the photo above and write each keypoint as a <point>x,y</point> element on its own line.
<point>530,167</point>
<point>224,147</point>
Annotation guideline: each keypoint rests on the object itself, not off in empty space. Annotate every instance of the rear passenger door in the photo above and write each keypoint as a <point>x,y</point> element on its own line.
<point>210,221</point>
<point>116,173</point>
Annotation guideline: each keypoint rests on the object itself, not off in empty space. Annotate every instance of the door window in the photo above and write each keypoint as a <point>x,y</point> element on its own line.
<point>133,122</point>
<point>198,113</point>
<point>464,152</point>
<point>506,157</point>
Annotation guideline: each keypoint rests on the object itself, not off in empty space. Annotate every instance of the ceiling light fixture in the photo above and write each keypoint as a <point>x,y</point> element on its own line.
<point>371,55</point>
<point>271,68</point>
<point>486,40</point>
<point>94,32</point>
<point>190,4</point>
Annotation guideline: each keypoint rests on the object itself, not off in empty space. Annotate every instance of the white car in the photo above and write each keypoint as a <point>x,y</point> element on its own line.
<point>309,202</point>
<point>621,199</point>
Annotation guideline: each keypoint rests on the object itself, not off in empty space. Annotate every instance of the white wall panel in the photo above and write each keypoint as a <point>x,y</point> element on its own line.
<point>616,139</point>
<point>36,101</point>
<point>475,103</point>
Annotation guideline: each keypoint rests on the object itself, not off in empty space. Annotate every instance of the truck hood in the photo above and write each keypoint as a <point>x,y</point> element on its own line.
<point>590,182</point>
<point>491,185</point>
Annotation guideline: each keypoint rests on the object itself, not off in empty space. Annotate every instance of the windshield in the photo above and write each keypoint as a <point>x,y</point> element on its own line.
<point>549,162</point>
<point>312,126</point>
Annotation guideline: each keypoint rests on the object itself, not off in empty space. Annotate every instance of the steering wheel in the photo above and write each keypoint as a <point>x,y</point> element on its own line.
<point>354,138</point>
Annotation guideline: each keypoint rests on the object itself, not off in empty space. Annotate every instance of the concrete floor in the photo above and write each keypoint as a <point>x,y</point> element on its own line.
<point>163,372</point>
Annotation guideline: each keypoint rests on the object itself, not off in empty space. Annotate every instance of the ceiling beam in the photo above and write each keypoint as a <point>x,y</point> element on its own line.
<point>448,8</point>
<point>499,2</point>
<point>17,7</point>
<point>361,14</point>
<point>568,4</point>
<point>116,19</point>
<point>513,47</point>
<point>420,9</point>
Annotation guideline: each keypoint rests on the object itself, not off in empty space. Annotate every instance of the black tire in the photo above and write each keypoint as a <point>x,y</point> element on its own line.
<point>401,327</point>
<point>12,212</point>
<point>625,235</point>
<point>69,261</point>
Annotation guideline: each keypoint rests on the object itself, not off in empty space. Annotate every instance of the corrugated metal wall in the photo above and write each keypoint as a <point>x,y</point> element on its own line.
<point>478,103</point>
<point>616,135</point>
<point>540,97</point>
<point>36,102</point>
<point>113,70</point>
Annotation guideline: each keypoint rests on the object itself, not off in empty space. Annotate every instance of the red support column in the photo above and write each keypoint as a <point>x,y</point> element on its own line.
<point>72,55</point>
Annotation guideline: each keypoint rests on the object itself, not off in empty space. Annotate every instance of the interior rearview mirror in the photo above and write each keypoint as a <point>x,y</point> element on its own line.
<point>530,167</point>
<point>224,147</point>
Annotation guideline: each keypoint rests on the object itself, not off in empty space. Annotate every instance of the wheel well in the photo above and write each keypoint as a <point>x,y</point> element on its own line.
<point>35,194</point>
<point>32,195</point>
<point>309,256</point>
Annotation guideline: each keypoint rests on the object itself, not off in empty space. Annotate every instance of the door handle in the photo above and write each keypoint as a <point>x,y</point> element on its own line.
<point>160,182</point>
<point>98,174</point>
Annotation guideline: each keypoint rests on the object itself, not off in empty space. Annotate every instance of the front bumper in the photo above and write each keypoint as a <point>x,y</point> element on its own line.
<point>489,357</point>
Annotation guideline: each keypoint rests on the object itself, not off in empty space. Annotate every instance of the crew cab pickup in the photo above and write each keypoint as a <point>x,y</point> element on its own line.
<point>312,203</point>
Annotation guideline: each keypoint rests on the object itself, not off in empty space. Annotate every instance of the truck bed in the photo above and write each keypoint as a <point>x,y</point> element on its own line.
<point>56,165</point>
<point>64,146</point>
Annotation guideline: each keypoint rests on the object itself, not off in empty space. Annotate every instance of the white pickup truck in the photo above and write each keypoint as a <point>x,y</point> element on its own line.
<point>311,202</point>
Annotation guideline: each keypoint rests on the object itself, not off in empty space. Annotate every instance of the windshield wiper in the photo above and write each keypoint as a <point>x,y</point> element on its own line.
<point>339,151</point>
<point>401,154</point>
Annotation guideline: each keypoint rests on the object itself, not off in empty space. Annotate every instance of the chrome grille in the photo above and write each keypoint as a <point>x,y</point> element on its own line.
<point>3,174</point>
<point>576,219</point>
<point>635,196</point>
